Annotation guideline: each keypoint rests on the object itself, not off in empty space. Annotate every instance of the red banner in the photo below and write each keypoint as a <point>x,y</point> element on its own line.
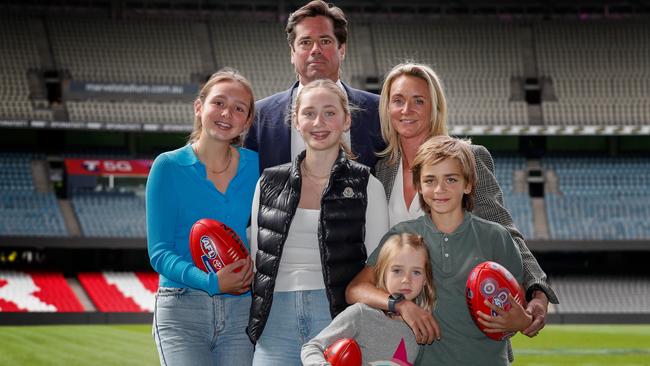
<point>104,167</point>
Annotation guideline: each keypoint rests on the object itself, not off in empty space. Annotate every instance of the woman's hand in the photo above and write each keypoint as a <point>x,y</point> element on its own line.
<point>513,320</point>
<point>236,282</point>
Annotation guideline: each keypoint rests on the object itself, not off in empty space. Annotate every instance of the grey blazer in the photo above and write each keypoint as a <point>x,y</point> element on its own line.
<point>488,204</point>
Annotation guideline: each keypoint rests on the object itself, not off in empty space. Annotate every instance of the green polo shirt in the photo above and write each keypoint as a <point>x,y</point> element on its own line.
<point>453,256</point>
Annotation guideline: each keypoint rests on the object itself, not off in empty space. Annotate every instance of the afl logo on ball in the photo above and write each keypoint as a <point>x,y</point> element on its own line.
<point>208,247</point>
<point>211,259</point>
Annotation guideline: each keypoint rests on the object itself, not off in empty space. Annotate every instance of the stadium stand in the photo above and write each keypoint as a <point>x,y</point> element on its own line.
<point>600,198</point>
<point>517,201</point>
<point>161,52</point>
<point>19,56</point>
<point>602,294</point>
<point>110,214</point>
<point>24,210</point>
<point>36,292</point>
<point>599,70</point>
<point>262,53</point>
<point>131,112</point>
<point>120,291</point>
<point>125,50</point>
<point>476,62</point>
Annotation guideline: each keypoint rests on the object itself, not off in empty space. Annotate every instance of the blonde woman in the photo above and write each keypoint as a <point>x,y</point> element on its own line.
<point>412,109</point>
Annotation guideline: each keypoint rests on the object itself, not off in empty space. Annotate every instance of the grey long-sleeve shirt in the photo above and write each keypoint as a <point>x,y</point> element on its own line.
<point>379,337</point>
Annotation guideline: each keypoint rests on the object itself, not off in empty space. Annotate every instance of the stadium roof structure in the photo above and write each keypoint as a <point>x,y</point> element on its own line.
<point>366,7</point>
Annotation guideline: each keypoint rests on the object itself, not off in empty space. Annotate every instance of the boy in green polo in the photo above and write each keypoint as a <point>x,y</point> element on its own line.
<point>444,172</point>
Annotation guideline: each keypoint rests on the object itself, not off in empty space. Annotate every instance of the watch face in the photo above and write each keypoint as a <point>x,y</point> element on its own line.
<point>397,297</point>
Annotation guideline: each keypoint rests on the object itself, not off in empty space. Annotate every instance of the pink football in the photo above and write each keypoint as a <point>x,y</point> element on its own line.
<point>493,282</point>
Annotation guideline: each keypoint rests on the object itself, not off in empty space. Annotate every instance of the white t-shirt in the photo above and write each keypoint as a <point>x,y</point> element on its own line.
<point>397,211</point>
<point>300,265</point>
<point>297,143</point>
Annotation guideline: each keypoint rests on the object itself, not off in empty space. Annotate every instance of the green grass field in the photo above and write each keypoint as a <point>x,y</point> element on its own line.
<point>592,345</point>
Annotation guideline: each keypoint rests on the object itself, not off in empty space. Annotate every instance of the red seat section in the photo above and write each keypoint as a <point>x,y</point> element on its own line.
<point>149,280</point>
<point>36,292</point>
<point>120,291</point>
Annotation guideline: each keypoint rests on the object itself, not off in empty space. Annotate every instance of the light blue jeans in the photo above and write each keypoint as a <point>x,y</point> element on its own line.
<point>192,328</point>
<point>295,318</point>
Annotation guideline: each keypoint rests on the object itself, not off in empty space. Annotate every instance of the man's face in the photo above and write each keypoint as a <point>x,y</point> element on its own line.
<point>316,53</point>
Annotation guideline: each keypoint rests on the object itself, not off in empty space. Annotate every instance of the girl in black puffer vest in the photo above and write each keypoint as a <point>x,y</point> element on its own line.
<point>313,223</point>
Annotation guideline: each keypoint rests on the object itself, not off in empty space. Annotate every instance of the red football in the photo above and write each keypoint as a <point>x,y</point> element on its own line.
<point>344,352</point>
<point>493,282</point>
<point>214,245</point>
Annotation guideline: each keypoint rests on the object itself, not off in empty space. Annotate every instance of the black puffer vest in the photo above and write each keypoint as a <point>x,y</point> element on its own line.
<point>341,232</point>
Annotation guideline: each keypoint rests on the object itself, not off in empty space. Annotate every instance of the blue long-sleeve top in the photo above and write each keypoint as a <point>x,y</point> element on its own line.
<point>178,195</point>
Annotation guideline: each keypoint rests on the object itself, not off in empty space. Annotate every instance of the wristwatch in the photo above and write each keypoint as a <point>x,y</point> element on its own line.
<point>393,300</point>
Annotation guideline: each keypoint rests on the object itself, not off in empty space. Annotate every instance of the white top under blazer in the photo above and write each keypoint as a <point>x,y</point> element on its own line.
<point>397,211</point>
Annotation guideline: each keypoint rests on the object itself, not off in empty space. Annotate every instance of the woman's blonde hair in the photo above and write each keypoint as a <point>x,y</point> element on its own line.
<point>329,86</point>
<point>438,105</point>
<point>427,296</point>
<point>439,148</point>
<point>223,75</point>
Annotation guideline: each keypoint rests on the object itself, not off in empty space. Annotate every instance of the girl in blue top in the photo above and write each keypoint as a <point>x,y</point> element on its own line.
<point>197,319</point>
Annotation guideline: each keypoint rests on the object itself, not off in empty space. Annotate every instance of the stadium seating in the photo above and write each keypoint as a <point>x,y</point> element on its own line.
<point>476,62</point>
<point>602,294</point>
<point>261,53</point>
<point>131,112</point>
<point>518,203</point>
<point>600,72</point>
<point>598,69</point>
<point>19,55</point>
<point>120,291</point>
<point>125,50</point>
<point>36,292</point>
<point>110,214</point>
<point>24,210</point>
<point>600,198</point>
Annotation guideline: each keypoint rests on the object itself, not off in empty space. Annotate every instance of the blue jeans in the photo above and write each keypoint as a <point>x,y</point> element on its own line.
<point>192,328</point>
<point>295,318</point>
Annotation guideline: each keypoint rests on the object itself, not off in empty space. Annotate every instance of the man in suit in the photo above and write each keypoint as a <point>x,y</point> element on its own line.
<point>317,35</point>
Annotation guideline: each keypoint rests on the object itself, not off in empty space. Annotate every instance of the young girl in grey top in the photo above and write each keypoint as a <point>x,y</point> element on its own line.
<point>403,269</point>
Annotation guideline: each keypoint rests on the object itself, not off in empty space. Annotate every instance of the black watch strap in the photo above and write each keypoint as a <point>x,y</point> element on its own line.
<point>393,300</point>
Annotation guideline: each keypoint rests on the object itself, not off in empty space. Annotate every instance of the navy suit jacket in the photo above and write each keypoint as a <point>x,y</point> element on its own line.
<point>270,134</point>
